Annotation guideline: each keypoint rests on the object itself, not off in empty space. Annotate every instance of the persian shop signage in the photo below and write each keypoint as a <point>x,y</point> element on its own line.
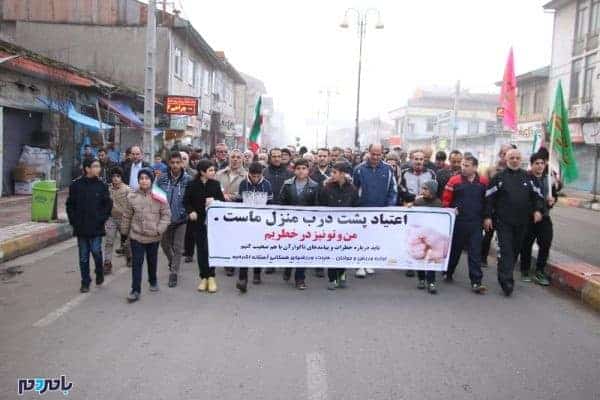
<point>181,105</point>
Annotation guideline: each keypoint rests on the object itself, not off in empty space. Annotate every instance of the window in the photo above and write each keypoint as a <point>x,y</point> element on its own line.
<point>473,127</point>
<point>588,77</point>
<point>538,101</point>
<point>430,124</point>
<point>576,71</point>
<point>206,82</point>
<point>582,21</point>
<point>524,103</point>
<point>490,127</point>
<point>410,128</point>
<point>178,62</point>
<point>191,72</point>
<point>595,18</point>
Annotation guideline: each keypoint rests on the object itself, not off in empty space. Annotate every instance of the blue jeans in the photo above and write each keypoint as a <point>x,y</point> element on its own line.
<point>138,250</point>
<point>86,246</point>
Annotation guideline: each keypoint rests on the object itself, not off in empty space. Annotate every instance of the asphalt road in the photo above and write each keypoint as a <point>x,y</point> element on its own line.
<point>379,339</point>
<point>577,233</point>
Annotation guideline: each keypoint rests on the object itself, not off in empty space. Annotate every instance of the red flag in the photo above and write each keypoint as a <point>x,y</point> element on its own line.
<point>508,94</point>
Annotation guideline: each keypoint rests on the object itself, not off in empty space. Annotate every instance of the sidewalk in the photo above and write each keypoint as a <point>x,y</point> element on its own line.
<point>20,236</point>
<point>576,278</point>
<point>578,199</point>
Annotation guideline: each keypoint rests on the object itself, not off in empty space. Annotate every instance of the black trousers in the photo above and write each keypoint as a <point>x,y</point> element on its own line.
<point>202,245</point>
<point>510,238</point>
<point>485,245</point>
<point>299,274</point>
<point>244,273</point>
<point>426,275</point>
<point>543,233</point>
<point>334,273</point>
<point>138,251</point>
<point>467,235</point>
<point>190,240</point>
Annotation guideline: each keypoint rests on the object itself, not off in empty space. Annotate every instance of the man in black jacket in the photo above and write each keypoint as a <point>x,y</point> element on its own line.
<point>88,208</point>
<point>512,199</point>
<point>322,169</point>
<point>542,231</point>
<point>105,165</point>
<point>276,173</point>
<point>299,191</point>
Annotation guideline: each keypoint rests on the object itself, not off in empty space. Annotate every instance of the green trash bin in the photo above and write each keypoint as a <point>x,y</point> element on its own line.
<point>43,201</point>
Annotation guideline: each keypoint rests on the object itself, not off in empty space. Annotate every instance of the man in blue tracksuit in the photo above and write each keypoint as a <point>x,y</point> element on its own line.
<point>376,186</point>
<point>174,183</point>
<point>466,194</point>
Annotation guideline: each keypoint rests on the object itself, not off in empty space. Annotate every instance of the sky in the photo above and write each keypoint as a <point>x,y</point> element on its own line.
<point>299,51</point>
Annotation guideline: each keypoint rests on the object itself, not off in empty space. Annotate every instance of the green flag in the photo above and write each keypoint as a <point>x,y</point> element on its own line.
<point>256,127</point>
<point>560,138</point>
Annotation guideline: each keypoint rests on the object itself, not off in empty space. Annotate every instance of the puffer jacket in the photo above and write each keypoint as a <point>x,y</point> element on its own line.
<point>119,199</point>
<point>145,219</point>
<point>175,190</point>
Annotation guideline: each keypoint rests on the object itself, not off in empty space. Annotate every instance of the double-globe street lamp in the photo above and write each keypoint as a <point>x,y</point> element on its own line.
<point>361,21</point>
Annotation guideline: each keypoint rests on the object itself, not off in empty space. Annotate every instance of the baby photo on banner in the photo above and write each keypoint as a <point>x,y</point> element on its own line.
<point>320,237</point>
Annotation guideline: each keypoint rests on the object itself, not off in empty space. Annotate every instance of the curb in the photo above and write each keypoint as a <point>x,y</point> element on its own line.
<point>578,203</point>
<point>26,244</point>
<point>577,278</point>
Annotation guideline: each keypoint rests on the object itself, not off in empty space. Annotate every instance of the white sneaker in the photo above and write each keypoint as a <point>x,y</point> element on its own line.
<point>360,273</point>
<point>370,271</point>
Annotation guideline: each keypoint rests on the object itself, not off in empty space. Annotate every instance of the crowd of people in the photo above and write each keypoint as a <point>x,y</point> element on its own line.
<point>164,205</point>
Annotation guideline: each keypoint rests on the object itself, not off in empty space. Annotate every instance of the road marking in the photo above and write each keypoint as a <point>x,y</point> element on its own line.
<point>74,302</point>
<point>316,376</point>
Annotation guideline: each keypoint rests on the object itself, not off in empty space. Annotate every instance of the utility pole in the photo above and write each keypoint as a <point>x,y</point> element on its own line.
<point>455,116</point>
<point>361,28</point>
<point>150,81</point>
<point>328,94</point>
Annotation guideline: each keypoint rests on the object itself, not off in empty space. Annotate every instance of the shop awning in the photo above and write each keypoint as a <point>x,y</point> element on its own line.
<point>124,111</point>
<point>67,108</point>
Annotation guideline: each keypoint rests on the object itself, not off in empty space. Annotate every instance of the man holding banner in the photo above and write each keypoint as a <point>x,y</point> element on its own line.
<point>377,187</point>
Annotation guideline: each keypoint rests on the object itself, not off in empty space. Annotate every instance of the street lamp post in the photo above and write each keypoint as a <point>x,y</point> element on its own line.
<point>328,93</point>
<point>361,20</point>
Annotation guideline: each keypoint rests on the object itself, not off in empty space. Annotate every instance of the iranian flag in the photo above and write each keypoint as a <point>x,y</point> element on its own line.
<point>560,138</point>
<point>158,194</point>
<point>256,127</point>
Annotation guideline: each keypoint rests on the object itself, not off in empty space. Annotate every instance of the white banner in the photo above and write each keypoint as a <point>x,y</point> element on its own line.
<point>416,238</point>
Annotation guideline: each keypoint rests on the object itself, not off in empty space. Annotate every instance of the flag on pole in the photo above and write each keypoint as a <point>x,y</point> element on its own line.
<point>256,127</point>
<point>560,138</point>
<point>508,94</point>
<point>158,194</point>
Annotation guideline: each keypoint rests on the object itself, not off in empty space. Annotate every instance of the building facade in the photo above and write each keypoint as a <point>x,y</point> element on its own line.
<point>427,121</point>
<point>109,39</point>
<point>532,110</point>
<point>575,55</point>
<point>55,110</point>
